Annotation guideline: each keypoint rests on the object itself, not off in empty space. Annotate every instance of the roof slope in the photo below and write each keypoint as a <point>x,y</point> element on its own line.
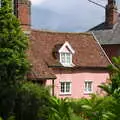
<point>87,51</point>
<point>107,36</point>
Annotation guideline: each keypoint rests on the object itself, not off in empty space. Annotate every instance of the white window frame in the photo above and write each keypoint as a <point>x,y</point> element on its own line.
<point>66,63</point>
<point>65,93</point>
<point>86,90</point>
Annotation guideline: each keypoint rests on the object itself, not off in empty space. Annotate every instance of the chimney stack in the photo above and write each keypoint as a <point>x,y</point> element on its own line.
<point>111,14</point>
<point>23,13</point>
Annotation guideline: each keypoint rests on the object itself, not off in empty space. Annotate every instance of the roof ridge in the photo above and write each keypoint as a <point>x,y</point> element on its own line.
<point>58,32</point>
<point>101,48</point>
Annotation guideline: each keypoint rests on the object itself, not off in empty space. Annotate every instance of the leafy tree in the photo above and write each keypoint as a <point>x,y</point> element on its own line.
<point>13,43</point>
<point>13,62</point>
<point>32,102</point>
<point>114,82</point>
<point>113,87</point>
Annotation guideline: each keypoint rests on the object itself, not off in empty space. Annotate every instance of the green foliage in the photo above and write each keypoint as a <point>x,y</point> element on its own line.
<point>13,43</point>
<point>76,117</point>
<point>28,101</point>
<point>32,102</point>
<point>60,109</point>
<point>115,67</point>
<point>13,62</point>
<point>94,108</point>
<point>113,87</point>
<point>114,82</point>
<point>76,105</point>
<point>10,118</point>
<point>98,108</point>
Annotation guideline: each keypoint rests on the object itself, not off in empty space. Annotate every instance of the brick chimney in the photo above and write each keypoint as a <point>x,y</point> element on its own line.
<point>111,14</point>
<point>23,12</point>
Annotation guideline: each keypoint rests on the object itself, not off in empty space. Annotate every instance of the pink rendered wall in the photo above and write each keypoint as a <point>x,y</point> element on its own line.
<point>77,82</point>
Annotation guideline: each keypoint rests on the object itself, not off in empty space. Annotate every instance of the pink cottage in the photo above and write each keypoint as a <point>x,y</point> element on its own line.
<point>73,64</point>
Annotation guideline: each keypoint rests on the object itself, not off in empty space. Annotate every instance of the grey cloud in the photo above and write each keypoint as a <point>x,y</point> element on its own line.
<point>67,15</point>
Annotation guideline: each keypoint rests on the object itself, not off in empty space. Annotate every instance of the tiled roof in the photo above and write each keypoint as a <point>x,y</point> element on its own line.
<point>39,68</point>
<point>107,36</point>
<point>43,43</point>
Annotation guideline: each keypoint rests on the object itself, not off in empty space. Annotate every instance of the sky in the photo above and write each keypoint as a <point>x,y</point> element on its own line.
<point>67,15</point>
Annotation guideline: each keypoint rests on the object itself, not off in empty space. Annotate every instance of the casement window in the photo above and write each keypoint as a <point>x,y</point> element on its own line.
<point>88,87</point>
<point>65,87</point>
<point>66,58</point>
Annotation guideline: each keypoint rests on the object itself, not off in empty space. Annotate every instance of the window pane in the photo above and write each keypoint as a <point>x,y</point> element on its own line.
<point>67,57</point>
<point>62,87</point>
<point>67,86</point>
<point>85,86</point>
<point>63,57</point>
<point>88,86</point>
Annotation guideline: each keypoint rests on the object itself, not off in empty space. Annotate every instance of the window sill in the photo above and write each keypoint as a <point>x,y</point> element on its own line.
<point>63,94</point>
<point>87,93</point>
<point>68,65</point>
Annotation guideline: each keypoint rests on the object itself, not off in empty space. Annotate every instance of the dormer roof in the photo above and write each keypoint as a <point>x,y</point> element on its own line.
<point>68,46</point>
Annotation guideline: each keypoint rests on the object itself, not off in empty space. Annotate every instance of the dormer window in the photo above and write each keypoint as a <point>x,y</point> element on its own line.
<point>66,58</point>
<point>66,52</point>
